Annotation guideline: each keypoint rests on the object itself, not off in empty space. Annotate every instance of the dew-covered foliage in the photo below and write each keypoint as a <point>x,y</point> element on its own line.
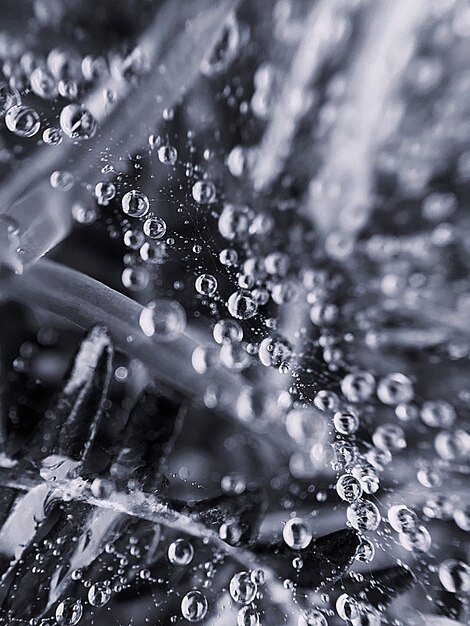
<point>234,312</point>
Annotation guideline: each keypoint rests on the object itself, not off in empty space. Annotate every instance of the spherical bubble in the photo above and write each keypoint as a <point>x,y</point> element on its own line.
<point>69,612</point>
<point>438,206</point>
<point>258,576</point>
<point>348,488</point>
<point>154,227</point>
<point>438,414</point>
<point>452,445</point>
<point>358,386</point>
<point>439,506</point>
<point>429,477</point>
<point>153,252</point>
<point>326,400</point>
<point>277,263</point>
<point>242,305</point>
<point>84,214</point>
<point>322,314</point>
<point>389,437</point>
<point>346,607</point>
<point>368,478</point>
<point>401,518</point>
<point>415,539</point>
<point>296,534</point>
<point>99,594</point>
<point>284,292</point>
<point>242,588</point>
<point>455,576</point>
<point>62,180</point>
<point>52,136</point>
<point>22,121</point>
<point>205,358</point>
<point>247,616</point>
<point>312,617</point>
<point>135,278</point>
<point>234,221</point>
<point>204,192</point>
<point>234,357</point>
<point>462,516</point>
<point>43,84</point>
<point>180,552</point>
<point>194,606</point>
<point>135,203</point>
<point>345,423</point>
<point>168,155</point>
<point>233,484</point>
<point>9,98</point>
<point>407,412</point>
<point>306,425</point>
<point>227,331</point>
<point>395,389</point>
<point>228,257</point>
<point>206,284</point>
<point>275,350</point>
<point>133,238</point>
<point>104,192</point>
<point>64,64</point>
<point>365,551</point>
<point>163,319</point>
<point>363,515</point>
<point>77,122</point>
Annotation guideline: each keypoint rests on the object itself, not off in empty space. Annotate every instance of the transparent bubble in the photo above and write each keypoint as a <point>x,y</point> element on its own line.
<point>326,400</point>
<point>135,203</point>
<point>363,515</point>
<point>104,192</point>
<point>134,238</point>
<point>194,606</point>
<point>429,476</point>
<point>9,98</point>
<point>401,518</point>
<point>84,214</point>
<point>258,576</point>
<point>228,257</point>
<point>22,121</point>
<point>52,136</point>
<point>163,319</point>
<point>62,180</point>
<point>322,314</point>
<point>389,437</point>
<point>234,357</point>
<point>204,192</point>
<point>167,155</point>
<point>43,84</point>
<point>233,484</point>
<point>358,386</point>
<point>348,488</point>
<point>205,358</point>
<point>455,576</point>
<point>347,607</point>
<point>415,539</point>
<point>248,616</point>
<point>153,252</point>
<point>274,351</point>
<point>77,122</point>
<point>365,551</point>
<point>462,516</point>
<point>395,389</point>
<point>180,552</point>
<point>99,594</point>
<point>451,445</point>
<point>234,221</point>
<point>64,64</point>
<point>242,588</point>
<point>345,423</point>
<point>154,227</point>
<point>296,533</point>
<point>206,284</point>
<point>368,478</point>
<point>135,278</point>
<point>242,305</point>
<point>69,612</point>
<point>407,412</point>
<point>438,414</point>
<point>227,331</point>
